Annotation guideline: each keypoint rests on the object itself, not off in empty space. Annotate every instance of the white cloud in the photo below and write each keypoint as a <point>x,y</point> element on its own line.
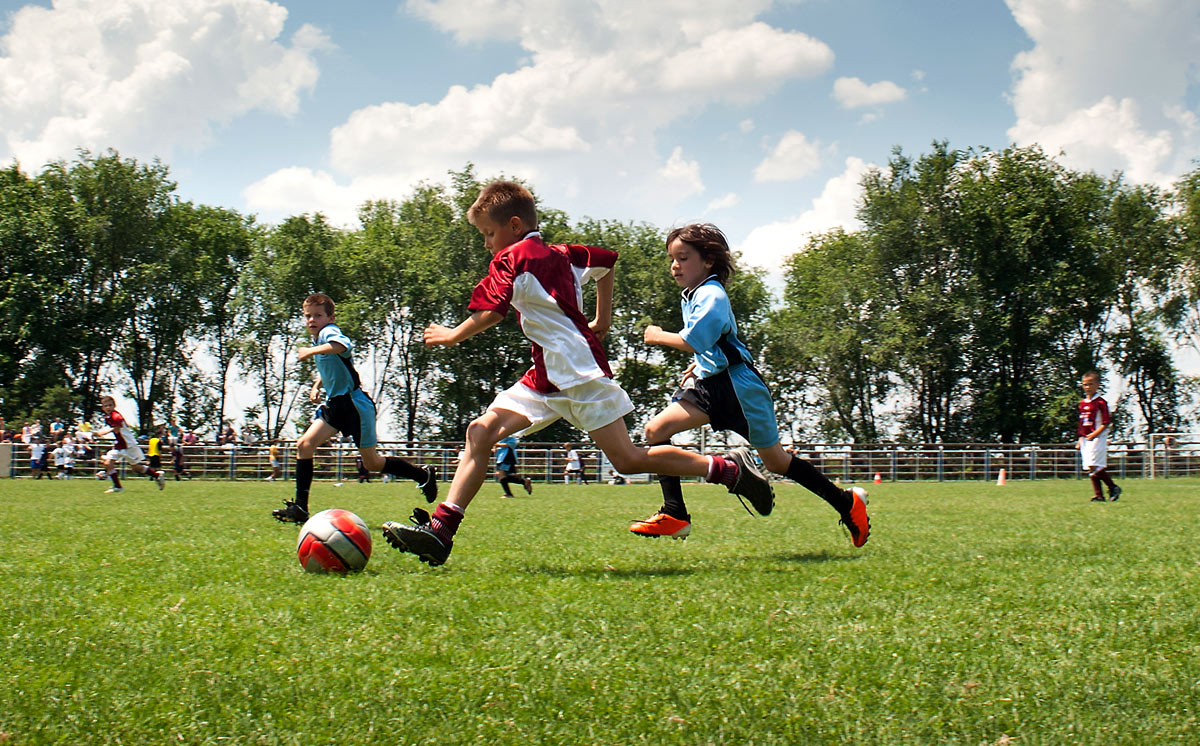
<point>853,93</point>
<point>144,76</point>
<point>768,246</point>
<point>793,157</point>
<point>600,81</point>
<point>723,202</point>
<point>1106,83</point>
<point>681,176</point>
<point>746,126</point>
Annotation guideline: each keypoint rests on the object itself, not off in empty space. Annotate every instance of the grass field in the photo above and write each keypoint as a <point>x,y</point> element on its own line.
<point>976,614</point>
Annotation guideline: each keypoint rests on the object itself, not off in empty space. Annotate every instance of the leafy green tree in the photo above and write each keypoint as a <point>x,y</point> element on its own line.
<point>294,260</point>
<point>828,335</point>
<point>33,275</point>
<point>221,242</point>
<point>109,213</point>
<point>922,284</point>
<point>1182,308</point>
<point>1033,256</point>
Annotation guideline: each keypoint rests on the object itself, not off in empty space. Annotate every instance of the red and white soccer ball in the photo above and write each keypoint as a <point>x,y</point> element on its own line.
<point>334,540</point>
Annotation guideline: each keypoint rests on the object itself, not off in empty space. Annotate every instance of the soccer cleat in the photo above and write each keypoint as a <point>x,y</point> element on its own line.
<point>1098,499</point>
<point>419,539</point>
<point>162,482</point>
<point>111,490</point>
<point>529,486</point>
<point>750,483</point>
<point>429,487</point>
<point>1114,494</point>
<point>290,513</point>
<point>661,524</point>
<point>855,519</point>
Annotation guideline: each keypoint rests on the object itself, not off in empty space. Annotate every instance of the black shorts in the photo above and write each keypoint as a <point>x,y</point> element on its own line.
<point>352,414</point>
<point>716,397</point>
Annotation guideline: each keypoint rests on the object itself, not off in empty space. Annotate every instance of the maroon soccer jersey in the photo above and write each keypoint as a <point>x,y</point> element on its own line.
<point>543,283</point>
<point>1092,414</point>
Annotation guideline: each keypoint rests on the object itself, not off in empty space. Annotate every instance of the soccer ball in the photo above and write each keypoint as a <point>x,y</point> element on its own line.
<point>334,540</point>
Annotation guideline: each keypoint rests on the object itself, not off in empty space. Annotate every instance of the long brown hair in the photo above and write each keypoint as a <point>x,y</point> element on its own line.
<point>709,242</point>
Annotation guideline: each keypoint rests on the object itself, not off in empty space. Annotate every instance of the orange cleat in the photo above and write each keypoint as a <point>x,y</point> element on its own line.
<point>856,519</point>
<point>661,524</point>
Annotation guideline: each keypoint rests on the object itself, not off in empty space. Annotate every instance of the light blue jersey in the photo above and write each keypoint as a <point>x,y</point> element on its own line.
<point>711,330</point>
<point>337,371</point>
<point>729,389</point>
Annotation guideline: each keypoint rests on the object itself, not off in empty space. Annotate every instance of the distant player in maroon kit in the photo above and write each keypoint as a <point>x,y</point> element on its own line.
<point>1094,420</point>
<point>124,449</point>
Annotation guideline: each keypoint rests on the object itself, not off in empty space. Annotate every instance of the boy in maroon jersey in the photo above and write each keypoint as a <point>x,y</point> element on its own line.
<point>570,378</point>
<point>1094,420</point>
<point>124,449</point>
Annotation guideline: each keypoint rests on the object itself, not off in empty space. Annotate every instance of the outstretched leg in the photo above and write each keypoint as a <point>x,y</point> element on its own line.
<point>850,504</point>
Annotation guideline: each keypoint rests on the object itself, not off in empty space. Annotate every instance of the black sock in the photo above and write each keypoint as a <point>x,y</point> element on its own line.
<point>807,476</point>
<point>399,467</point>
<point>304,477</point>
<point>504,482</point>
<point>672,491</point>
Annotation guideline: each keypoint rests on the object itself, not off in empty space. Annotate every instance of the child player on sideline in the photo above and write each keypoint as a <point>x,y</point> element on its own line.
<point>726,391</point>
<point>124,449</point>
<point>570,377</point>
<point>347,409</point>
<point>1094,420</point>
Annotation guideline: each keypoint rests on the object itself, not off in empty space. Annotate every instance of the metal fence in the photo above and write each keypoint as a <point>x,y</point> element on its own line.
<point>546,462</point>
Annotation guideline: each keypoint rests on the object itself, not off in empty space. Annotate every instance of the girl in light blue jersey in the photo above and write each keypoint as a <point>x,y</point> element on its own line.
<point>722,388</point>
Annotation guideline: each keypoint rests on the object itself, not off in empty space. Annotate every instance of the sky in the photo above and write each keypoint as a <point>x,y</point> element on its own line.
<point>758,116</point>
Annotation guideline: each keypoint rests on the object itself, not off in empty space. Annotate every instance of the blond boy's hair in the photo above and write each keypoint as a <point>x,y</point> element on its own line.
<point>502,200</point>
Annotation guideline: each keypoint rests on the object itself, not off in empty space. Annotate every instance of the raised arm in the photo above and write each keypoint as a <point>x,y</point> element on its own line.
<point>604,303</point>
<point>436,334</point>
<point>655,335</point>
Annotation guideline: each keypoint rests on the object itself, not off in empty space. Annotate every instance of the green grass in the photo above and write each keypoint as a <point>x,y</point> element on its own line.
<point>976,614</point>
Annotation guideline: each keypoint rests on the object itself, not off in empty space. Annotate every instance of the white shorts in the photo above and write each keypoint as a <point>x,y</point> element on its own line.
<point>131,455</point>
<point>588,406</point>
<point>1094,453</point>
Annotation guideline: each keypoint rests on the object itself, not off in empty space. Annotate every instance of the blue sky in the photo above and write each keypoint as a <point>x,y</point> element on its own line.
<point>759,116</point>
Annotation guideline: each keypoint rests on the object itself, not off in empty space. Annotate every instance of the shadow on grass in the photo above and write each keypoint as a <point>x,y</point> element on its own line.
<point>813,557</point>
<point>612,572</point>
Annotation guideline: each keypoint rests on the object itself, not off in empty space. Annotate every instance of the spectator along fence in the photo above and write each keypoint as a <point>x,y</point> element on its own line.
<point>1164,455</point>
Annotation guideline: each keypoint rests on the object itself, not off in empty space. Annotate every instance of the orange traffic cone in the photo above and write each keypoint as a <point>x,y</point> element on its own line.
<point>878,478</point>
<point>1000,481</point>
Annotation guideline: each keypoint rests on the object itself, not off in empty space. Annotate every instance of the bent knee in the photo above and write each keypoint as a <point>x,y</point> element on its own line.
<point>480,433</point>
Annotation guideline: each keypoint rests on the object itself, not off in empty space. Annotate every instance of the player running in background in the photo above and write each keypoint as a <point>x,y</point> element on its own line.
<point>722,388</point>
<point>570,377</point>
<point>347,409</point>
<point>506,467</point>
<point>124,449</point>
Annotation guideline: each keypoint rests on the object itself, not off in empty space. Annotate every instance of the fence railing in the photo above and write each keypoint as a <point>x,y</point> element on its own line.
<point>547,462</point>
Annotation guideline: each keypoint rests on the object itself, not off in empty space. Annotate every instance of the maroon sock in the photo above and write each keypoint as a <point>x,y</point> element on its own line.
<point>722,471</point>
<point>115,479</point>
<point>444,522</point>
<point>1096,485</point>
<point>1103,475</point>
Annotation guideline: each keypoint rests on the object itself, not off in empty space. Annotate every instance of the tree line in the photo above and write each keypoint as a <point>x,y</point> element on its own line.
<point>979,288</point>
